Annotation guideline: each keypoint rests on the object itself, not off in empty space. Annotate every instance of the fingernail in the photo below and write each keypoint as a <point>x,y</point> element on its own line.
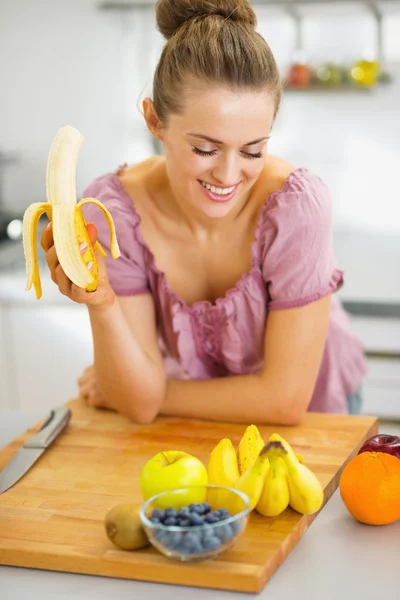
<point>83,247</point>
<point>90,265</point>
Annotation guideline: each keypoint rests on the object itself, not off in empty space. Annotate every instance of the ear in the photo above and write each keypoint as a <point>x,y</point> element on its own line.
<point>152,121</point>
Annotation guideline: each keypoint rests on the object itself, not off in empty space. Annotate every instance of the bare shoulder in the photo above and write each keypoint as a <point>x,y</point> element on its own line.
<point>142,180</point>
<point>276,171</point>
<point>272,178</point>
<point>139,173</point>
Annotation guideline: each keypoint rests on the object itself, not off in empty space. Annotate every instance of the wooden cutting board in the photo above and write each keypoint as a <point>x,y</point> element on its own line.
<point>53,517</point>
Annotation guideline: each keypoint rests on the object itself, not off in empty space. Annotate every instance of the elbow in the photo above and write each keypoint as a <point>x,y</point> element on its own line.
<point>145,410</point>
<point>290,412</point>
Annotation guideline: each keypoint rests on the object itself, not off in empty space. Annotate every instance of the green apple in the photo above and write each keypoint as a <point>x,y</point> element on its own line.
<point>170,470</point>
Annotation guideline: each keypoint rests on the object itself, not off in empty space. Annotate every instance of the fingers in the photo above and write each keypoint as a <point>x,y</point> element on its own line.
<point>64,284</point>
<point>46,240</point>
<point>92,232</point>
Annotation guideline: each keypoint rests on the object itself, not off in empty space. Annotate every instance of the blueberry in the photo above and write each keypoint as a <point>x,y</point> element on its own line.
<point>197,509</point>
<point>236,527</point>
<point>173,539</point>
<point>207,508</point>
<point>162,536</point>
<point>211,543</point>
<point>192,543</point>
<point>170,512</point>
<point>184,512</point>
<point>195,519</point>
<point>211,518</point>
<point>171,522</point>
<point>158,514</point>
<point>224,533</point>
<point>184,522</point>
<point>155,521</point>
<point>223,513</point>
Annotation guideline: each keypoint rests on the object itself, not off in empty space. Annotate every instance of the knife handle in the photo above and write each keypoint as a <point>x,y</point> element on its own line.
<point>57,421</point>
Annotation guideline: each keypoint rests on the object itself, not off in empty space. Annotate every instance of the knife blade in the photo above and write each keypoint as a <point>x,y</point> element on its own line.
<point>34,447</point>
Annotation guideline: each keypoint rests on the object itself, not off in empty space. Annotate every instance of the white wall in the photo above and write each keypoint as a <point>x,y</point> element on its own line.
<point>64,61</point>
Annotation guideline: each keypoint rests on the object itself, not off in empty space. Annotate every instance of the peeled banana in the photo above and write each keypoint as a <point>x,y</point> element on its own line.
<point>249,448</point>
<point>306,492</point>
<point>69,226</point>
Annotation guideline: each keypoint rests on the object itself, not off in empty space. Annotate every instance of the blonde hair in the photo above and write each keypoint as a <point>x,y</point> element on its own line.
<point>211,41</point>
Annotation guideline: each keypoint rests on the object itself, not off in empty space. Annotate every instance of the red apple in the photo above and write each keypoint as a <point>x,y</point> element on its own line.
<point>382,443</point>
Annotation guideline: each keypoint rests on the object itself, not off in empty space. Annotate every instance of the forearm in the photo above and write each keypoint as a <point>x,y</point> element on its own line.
<point>129,380</point>
<point>246,399</point>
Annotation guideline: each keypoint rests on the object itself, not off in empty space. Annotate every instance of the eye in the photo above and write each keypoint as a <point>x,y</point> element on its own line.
<point>250,155</point>
<point>204,152</point>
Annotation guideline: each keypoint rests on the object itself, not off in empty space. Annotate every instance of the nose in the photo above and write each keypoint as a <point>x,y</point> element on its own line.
<point>227,170</point>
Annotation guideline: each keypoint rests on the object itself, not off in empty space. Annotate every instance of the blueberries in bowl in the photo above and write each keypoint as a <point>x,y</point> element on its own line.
<point>197,531</point>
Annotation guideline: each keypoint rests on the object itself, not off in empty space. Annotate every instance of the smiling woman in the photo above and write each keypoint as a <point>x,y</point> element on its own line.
<point>220,305</point>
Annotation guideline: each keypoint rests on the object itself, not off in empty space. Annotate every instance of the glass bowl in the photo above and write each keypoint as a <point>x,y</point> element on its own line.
<point>200,535</point>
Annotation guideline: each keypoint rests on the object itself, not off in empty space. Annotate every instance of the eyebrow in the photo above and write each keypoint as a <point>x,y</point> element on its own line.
<point>208,139</point>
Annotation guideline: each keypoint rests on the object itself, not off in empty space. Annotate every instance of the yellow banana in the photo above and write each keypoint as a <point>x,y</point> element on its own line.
<point>252,481</point>
<point>249,448</point>
<point>306,493</point>
<point>275,495</point>
<point>69,227</point>
<point>222,465</point>
<point>222,470</point>
<point>275,437</point>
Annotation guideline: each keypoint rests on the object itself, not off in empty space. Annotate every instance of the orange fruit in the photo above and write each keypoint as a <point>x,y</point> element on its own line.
<point>370,488</point>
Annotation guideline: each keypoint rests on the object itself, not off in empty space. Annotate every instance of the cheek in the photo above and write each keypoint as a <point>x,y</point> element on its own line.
<point>254,168</point>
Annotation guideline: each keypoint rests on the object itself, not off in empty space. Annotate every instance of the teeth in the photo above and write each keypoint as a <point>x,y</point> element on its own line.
<point>217,190</point>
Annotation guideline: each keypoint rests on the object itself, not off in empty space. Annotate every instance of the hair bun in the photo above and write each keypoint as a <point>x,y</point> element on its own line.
<point>172,14</point>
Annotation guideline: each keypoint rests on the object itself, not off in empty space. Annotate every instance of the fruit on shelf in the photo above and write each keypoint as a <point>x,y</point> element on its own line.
<point>299,76</point>
<point>69,226</point>
<point>382,443</point>
<point>173,469</point>
<point>365,73</point>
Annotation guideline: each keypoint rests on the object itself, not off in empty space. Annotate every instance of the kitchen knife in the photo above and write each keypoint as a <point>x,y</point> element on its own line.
<point>33,448</point>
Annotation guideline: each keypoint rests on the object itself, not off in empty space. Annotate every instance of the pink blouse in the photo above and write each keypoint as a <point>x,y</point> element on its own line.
<point>292,265</point>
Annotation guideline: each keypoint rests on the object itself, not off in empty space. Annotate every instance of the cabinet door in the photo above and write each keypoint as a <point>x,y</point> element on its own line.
<point>52,345</point>
<point>8,399</point>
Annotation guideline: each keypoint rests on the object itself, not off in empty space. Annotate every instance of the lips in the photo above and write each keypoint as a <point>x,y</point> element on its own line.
<point>217,193</point>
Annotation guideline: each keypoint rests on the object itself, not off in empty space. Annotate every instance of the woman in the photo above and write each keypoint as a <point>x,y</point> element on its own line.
<point>220,305</point>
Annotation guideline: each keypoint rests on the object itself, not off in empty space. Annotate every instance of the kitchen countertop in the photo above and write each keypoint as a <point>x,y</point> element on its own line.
<point>337,557</point>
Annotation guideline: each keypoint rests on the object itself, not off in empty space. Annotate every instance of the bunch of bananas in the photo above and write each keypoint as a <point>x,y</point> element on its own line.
<point>272,475</point>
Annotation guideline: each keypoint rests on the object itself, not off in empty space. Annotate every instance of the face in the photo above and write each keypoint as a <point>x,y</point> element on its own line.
<point>216,149</point>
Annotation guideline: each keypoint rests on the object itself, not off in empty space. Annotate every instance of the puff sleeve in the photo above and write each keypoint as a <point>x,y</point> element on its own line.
<point>298,263</point>
<point>128,273</point>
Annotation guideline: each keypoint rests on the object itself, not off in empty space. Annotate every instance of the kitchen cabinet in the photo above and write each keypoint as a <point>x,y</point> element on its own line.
<point>52,345</point>
<point>381,387</point>
<point>7,380</point>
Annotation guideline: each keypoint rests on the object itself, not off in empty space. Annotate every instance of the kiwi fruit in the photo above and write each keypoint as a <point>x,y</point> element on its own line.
<point>124,528</point>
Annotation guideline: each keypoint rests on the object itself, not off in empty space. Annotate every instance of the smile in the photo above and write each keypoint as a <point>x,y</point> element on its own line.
<point>217,193</point>
<point>218,190</point>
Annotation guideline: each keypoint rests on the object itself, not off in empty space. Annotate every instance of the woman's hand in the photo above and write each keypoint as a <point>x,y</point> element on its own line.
<point>88,389</point>
<point>102,298</point>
